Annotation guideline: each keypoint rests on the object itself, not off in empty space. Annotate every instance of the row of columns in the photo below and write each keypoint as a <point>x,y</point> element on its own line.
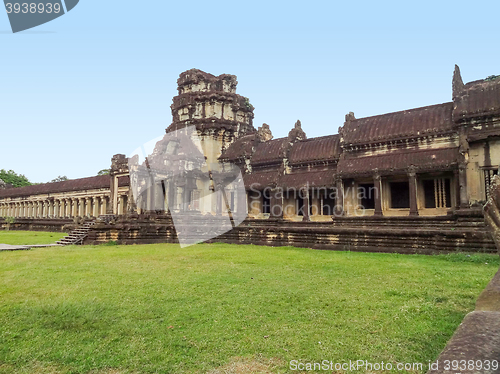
<point>460,178</point>
<point>56,208</point>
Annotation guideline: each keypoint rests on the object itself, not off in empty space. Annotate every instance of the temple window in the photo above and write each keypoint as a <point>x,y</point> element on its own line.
<point>437,193</point>
<point>489,173</point>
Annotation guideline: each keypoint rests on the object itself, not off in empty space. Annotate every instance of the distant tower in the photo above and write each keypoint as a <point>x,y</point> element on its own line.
<point>211,104</point>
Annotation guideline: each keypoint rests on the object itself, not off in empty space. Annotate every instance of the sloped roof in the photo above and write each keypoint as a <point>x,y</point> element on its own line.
<point>408,123</point>
<point>260,179</point>
<point>269,151</point>
<point>321,148</point>
<point>399,161</point>
<point>241,147</point>
<point>308,178</point>
<point>478,98</point>
<point>90,183</point>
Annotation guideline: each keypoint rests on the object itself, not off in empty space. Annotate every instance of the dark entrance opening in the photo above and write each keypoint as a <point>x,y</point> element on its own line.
<point>329,202</point>
<point>400,195</point>
<point>300,205</point>
<point>366,195</point>
<point>266,202</point>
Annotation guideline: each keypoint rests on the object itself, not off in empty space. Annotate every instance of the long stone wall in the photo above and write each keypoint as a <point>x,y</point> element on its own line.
<point>425,235</point>
<point>31,224</point>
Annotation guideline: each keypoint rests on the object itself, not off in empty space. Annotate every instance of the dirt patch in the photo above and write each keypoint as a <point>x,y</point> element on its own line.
<point>253,365</point>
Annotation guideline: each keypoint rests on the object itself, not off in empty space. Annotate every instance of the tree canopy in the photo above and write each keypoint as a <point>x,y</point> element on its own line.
<point>59,179</point>
<point>16,180</point>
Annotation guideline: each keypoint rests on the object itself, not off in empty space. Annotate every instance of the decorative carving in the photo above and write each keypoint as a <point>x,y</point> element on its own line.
<point>264,133</point>
<point>350,117</point>
<point>296,134</point>
<point>412,171</point>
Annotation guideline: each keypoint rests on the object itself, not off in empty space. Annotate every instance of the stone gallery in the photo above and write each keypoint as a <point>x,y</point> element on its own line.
<point>410,181</point>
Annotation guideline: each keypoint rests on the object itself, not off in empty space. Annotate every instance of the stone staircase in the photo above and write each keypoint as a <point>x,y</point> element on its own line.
<point>78,235</point>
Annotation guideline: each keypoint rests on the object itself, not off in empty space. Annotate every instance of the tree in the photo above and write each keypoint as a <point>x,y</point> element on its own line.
<point>59,179</point>
<point>16,180</point>
<point>103,172</point>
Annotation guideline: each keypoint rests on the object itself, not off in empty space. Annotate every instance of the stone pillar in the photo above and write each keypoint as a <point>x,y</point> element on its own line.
<point>339,203</point>
<point>305,207</point>
<point>276,202</point>
<point>218,206</point>
<point>114,195</point>
<point>74,212</point>
<point>462,186</point>
<point>377,180</point>
<point>412,180</point>
<point>79,211</point>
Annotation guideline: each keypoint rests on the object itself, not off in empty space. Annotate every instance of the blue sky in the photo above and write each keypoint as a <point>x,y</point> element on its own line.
<point>100,80</point>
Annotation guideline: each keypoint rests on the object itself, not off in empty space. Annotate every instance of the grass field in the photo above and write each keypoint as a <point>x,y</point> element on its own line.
<point>29,237</point>
<point>223,308</point>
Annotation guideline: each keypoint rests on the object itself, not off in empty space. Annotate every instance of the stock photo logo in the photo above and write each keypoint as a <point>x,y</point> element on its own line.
<point>204,197</point>
<point>24,15</point>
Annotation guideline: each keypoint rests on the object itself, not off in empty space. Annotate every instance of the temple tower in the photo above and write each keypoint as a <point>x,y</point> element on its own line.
<point>211,104</point>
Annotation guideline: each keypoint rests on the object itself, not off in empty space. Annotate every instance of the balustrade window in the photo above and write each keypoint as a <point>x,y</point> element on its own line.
<point>488,179</point>
<point>437,193</point>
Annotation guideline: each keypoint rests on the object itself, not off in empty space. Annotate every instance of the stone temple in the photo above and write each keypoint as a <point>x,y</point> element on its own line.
<point>411,181</point>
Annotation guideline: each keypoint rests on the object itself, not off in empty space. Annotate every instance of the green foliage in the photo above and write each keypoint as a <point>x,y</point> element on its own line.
<point>11,177</point>
<point>164,309</point>
<point>248,105</point>
<point>10,220</point>
<point>492,77</point>
<point>60,178</point>
<point>103,172</point>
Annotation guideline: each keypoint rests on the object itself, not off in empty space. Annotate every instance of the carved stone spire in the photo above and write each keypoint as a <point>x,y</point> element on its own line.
<point>296,133</point>
<point>264,133</point>
<point>458,83</point>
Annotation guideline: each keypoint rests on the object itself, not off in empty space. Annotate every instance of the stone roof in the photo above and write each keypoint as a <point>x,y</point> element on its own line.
<point>308,178</point>
<point>260,179</point>
<point>269,152</point>
<point>476,99</point>
<point>400,161</point>
<point>322,148</point>
<point>240,148</point>
<point>90,183</point>
<point>399,125</point>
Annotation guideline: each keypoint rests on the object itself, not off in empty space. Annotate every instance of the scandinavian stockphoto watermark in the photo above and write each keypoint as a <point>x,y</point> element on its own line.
<point>368,366</point>
<point>24,15</point>
<point>205,197</point>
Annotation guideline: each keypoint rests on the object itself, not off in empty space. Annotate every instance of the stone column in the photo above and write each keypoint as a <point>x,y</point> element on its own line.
<point>81,207</point>
<point>339,203</point>
<point>377,180</point>
<point>412,180</point>
<point>104,208</point>
<point>305,207</point>
<point>218,206</point>
<point>276,202</point>
<point>462,185</point>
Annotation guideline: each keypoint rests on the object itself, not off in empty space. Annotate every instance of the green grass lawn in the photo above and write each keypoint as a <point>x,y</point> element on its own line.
<point>216,308</point>
<point>29,237</point>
